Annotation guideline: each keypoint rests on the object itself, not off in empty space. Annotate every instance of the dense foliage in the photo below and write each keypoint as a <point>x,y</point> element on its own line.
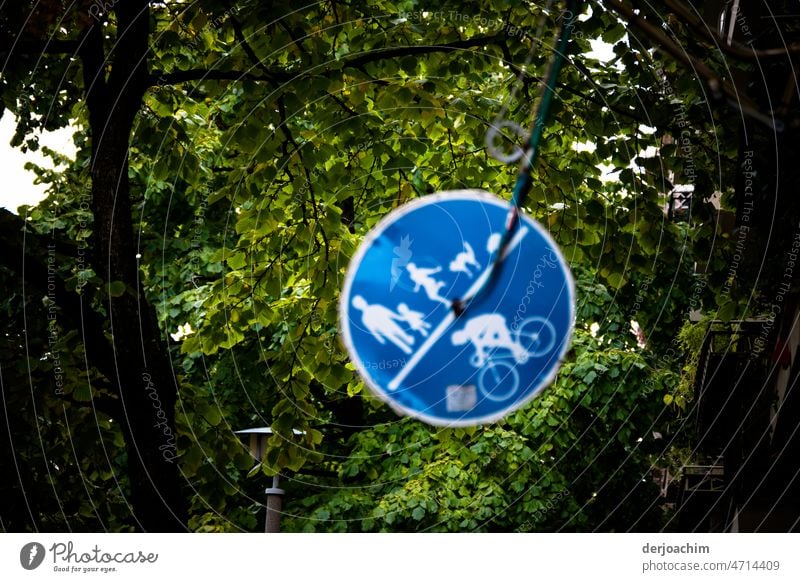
<point>266,143</point>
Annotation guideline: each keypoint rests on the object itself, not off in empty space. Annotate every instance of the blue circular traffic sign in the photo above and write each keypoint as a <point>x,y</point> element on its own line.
<point>407,342</point>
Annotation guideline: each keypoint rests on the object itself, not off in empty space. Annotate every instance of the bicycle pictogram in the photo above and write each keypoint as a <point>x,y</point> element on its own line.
<point>495,346</point>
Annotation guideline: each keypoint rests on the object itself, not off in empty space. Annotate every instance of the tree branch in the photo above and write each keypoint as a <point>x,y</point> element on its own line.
<point>94,79</point>
<point>161,78</point>
<point>128,79</point>
<point>404,51</point>
<point>40,47</point>
<point>718,88</point>
<point>237,31</point>
<point>735,49</point>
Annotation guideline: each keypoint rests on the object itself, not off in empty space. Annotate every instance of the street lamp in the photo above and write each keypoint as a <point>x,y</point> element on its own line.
<point>258,444</point>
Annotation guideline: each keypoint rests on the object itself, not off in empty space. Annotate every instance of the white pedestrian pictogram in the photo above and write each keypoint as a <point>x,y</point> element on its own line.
<point>414,319</point>
<point>464,260</point>
<point>422,278</point>
<point>380,321</point>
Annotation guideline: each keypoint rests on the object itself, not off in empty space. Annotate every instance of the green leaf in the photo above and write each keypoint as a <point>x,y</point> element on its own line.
<point>116,288</point>
<point>616,280</point>
<point>82,392</point>
<point>727,311</point>
<point>244,461</point>
<point>212,416</point>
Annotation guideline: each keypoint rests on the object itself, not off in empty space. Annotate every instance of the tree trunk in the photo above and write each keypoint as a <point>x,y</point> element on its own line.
<point>143,378</point>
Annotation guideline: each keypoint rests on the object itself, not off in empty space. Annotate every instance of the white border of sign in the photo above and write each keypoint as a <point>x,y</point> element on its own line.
<point>355,262</point>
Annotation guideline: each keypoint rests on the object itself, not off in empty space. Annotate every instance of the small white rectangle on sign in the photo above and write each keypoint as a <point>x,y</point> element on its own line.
<point>461,398</point>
